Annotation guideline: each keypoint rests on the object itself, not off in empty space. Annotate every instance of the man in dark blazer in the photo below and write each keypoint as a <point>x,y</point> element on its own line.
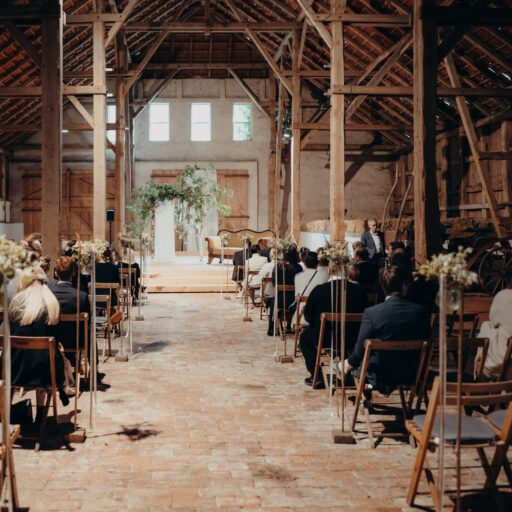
<point>239,261</point>
<point>367,270</point>
<point>66,295</point>
<point>319,301</point>
<point>373,242</point>
<point>396,319</point>
<point>107,272</point>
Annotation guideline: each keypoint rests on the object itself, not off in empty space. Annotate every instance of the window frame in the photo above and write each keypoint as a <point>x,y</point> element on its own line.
<point>160,123</point>
<point>233,122</point>
<point>194,123</point>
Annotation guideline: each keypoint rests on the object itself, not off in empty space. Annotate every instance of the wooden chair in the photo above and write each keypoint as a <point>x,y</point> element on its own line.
<point>371,299</point>
<point>506,361</point>
<point>6,457</point>
<point>239,278</point>
<point>40,343</point>
<point>250,290</point>
<point>281,313</point>
<point>470,346</point>
<point>300,299</point>
<point>127,288</point>
<point>476,432</point>
<point>350,318</point>
<point>419,346</point>
<point>265,301</point>
<point>83,320</point>
<point>469,324</point>
<point>103,323</point>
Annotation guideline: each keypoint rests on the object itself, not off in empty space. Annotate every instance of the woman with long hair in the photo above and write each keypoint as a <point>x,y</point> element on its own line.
<point>34,311</point>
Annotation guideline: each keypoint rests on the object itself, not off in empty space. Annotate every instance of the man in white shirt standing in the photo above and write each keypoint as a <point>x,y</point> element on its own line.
<point>373,241</point>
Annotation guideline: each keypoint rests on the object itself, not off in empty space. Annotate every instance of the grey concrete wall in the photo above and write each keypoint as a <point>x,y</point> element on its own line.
<point>365,194</point>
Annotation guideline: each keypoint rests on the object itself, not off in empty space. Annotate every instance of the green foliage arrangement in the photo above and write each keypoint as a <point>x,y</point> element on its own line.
<point>194,195</point>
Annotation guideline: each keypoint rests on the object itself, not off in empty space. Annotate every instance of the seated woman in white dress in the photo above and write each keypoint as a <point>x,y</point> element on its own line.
<point>498,329</point>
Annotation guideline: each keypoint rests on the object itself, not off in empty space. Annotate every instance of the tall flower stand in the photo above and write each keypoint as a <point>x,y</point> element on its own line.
<point>245,293</point>
<point>139,317</point>
<point>122,356</point>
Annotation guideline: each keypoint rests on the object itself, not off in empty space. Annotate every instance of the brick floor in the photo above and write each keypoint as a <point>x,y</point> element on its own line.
<point>202,418</point>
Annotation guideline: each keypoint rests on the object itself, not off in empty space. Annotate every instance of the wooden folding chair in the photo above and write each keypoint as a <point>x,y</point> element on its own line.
<point>40,343</point>
<point>83,319</point>
<point>6,457</point>
<point>250,290</point>
<point>372,345</point>
<point>265,301</point>
<point>103,322</point>
<point>300,299</point>
<point>470,347</point>
<point>506,361</point>
<point>350,318</point>
<point>239,278</point>
<point>281,313</point>
<point>127,288</point>
<point>453,324</point>
<point>476,432</point>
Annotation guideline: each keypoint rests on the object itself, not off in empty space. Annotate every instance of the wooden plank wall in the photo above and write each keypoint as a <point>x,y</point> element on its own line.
<point>459,187</point>
<point>77,200</point>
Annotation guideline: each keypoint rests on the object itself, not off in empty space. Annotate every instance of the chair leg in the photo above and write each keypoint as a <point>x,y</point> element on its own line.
<point>508,470</point>
<point>369,425</point>
<point>317,364</point>
<point>434,490</point>
<point>491,478</point>
<point>44,418</point>
<point>357,404</point>
<point>14,488</point>
<point>419,463</point>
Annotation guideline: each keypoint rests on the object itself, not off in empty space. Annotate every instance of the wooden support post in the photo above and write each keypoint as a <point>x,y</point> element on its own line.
<point>272,155</point>
<point>51,132</point>
<point>279,157</point>
<point>337,134</point>
<point>99,159</point>
<point>426,207</point>
<point>472,137</point>
<point>506,165</point>
<point>120,137</point>
<point>296,120</point>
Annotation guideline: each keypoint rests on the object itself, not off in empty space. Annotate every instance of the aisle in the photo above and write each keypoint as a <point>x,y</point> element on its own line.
<point>202,418</point>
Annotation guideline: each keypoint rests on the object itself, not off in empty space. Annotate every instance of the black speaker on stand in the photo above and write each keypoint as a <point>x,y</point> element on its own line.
<point>110,219</point>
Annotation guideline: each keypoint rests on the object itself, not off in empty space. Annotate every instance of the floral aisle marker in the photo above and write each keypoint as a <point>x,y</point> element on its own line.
<point>245,295</point>
<point>338,256</point>
<point>13,258</point>
<point>281,246</point>
<point>85,253</point>
<point>450,270</point>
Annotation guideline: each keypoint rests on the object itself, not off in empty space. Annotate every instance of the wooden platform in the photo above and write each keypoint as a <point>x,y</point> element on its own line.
<point>186,274</point>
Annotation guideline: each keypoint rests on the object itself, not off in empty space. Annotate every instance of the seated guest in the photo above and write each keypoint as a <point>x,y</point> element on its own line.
<point>307,280</point>
<point>395,248</point>
<point>267,271</point>
<point>323,266</point>
<point>396,319</point>
<point>367,270</point>
<point>357,245</point>
<point>321,301</point>
<point>265,249</point>
<point>66,295</point>
<point>373,241</point>
<point>239,261</point>
<point>498,329</point>
<point>303,252</point>
<point>107,272</point>
<point>34,311</point>
<point>286,272</point>
<point>255,262</point>
<point>124,265</point>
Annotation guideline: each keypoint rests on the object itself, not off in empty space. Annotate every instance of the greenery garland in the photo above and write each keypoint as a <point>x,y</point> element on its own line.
<point>194,195</point>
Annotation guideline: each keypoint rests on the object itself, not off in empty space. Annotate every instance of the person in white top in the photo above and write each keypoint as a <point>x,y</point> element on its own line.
<point>266,271</point>
<point>307,280</point>
<point>255,263</point>
<point>498,329</point>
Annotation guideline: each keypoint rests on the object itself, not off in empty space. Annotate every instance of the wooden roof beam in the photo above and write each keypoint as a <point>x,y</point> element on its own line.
<point>248,91</point>
<point>22,40</point>
<point>118,24</point>
<point>182,27</point>
<point>407,91</point>
<point>320,28</point>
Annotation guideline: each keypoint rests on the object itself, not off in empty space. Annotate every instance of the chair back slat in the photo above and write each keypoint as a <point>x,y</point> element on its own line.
<point>266,280</point>
<point>506,361</point>
<point>31,342</point>
<point>286,287</point>
<point>394,345</point>
<point>253,272</point>
<point>301,298</point>
<point>71,317</point>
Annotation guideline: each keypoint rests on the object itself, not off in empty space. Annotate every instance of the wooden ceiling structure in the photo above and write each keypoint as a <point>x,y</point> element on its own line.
<point>404,69</point>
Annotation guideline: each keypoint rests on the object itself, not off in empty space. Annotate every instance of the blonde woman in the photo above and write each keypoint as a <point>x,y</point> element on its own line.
<point>34,311</point>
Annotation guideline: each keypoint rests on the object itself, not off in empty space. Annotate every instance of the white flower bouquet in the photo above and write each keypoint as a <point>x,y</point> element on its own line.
<point>87,251</point>
<point>281,245</point>
<point>13,257</point>
<point>225,238</point>
<point>245,238</point>
<point>453,266</point>
<point>336,254</point>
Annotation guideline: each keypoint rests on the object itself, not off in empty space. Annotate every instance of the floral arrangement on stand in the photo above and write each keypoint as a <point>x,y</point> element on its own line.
<point>337,255</point>
<point>245,239</point>
<point>225,238</point>
<point>282,245</point>
<point>127,240</point>
<point>453,268</point>
<point>86,252</point>
<point>13,257</point>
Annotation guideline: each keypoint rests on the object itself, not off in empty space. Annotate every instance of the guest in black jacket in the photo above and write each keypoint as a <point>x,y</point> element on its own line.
<point>66,294</point>
<point>395,319</point>
<point>107,272</point>
<point>239,261</point>
<point>286,271</point>
<point>135,283</point>
<point>320,301</point>
<point>367,270</point>
<point>34,311</point>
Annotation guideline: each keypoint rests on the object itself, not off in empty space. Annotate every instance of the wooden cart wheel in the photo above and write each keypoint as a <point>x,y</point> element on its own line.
<point>495,269</point>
